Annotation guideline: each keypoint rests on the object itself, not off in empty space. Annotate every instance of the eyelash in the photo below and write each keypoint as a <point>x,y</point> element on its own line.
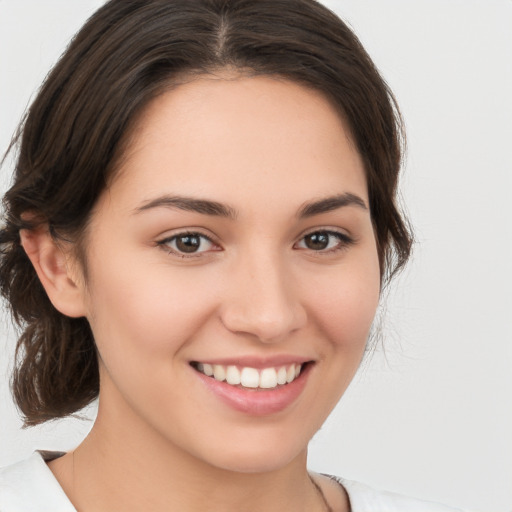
<point>165,244</point>
<point>344,241</point>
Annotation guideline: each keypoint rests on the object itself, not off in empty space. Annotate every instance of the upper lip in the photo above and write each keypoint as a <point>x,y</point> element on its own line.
<point>257,362</point>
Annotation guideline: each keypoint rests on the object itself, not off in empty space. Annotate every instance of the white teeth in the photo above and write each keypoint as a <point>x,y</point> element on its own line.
<point>267,378</point>
<point>218,372</point>
<point>250,378</point>
<point>233,376</point>
<point>281,375</point>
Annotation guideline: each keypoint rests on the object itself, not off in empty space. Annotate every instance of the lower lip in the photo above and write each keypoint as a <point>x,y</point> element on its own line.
<point>257,402</point>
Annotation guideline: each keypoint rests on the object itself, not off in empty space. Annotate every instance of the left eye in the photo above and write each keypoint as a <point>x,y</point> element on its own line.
<point>188,243</point>
<point>324,241</point>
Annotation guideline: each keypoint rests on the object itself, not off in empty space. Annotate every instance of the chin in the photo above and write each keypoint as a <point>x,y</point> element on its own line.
<point>256,457</point>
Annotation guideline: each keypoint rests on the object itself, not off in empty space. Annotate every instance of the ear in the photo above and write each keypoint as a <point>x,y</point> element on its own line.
<point>62,283</point>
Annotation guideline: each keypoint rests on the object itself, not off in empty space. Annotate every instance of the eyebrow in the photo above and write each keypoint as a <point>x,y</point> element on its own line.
<point>207,207</point>
<point>329,204</point>
<point>203,206</point>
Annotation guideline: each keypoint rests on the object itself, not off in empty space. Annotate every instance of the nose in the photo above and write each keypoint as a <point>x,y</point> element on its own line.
<point>263,300</point>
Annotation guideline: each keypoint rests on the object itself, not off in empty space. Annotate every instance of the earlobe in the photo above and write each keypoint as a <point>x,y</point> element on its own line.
<point>51,264</point>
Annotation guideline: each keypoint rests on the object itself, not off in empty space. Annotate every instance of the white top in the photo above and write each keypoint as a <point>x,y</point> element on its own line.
<point>29,486</point>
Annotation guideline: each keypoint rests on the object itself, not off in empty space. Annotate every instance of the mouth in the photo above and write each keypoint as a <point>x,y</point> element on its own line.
<point>247,377</point>
<point>255,387</point>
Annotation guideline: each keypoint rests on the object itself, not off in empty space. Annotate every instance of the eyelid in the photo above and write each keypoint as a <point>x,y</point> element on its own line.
<point>166,240</point>
<point>345,240</point>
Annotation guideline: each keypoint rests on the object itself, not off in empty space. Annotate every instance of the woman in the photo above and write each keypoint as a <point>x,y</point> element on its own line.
<point>201,223</point>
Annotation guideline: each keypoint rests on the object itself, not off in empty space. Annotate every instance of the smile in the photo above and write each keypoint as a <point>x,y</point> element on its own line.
<point>247,377</point>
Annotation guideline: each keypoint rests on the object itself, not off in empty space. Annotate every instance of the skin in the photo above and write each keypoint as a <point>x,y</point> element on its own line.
<point>264,148</point>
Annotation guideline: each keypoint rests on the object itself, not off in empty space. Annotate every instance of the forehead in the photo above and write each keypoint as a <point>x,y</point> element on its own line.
<point>236,137</point>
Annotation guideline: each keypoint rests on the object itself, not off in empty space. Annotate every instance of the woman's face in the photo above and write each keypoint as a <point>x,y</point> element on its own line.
<point>237,239</point>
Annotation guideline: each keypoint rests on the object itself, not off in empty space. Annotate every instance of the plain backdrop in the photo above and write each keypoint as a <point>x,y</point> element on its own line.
<point>430,414</point>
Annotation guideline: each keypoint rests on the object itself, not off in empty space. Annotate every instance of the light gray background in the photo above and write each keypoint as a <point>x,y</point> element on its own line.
<point>431,414</point>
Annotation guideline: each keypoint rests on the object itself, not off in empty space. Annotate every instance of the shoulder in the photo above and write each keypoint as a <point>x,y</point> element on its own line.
<point>366,499</point>
<point>29,486</point>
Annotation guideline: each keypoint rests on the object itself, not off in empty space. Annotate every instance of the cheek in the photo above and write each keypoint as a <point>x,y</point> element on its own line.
<point>345,304</point>
<point>147,310</point>
<point>142,321</point>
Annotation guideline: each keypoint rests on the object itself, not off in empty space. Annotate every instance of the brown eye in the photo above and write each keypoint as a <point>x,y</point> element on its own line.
<point>324,241</point>
<point>188,243</point>
<point>317,241</point>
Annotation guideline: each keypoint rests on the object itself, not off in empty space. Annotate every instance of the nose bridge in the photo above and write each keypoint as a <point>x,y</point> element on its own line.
<point>263,301</point>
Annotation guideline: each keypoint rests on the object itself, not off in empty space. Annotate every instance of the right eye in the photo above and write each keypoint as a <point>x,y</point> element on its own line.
<point>185,244</point>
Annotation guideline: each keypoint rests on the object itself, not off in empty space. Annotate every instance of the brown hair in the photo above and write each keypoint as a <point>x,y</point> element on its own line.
<point>126,54</point>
